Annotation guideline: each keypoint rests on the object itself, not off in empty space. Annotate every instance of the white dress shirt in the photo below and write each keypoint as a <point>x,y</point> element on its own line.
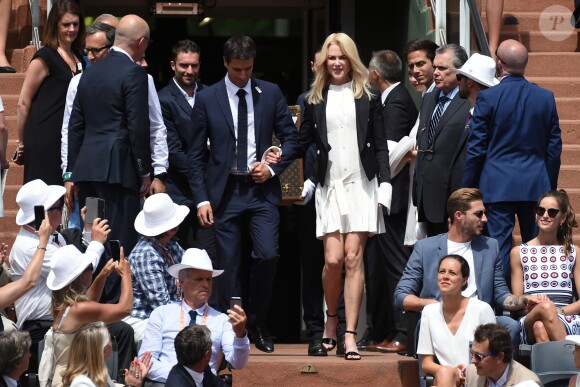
<point>190,100</point>
<point>197,376</point>
<point>386,93</point>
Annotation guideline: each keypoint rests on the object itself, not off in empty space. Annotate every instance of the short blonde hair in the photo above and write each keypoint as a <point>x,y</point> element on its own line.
<point>358,72</point>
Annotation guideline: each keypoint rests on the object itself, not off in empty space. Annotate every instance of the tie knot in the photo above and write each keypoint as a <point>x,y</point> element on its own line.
<point>241,93</point>
<point>443,99</point>
<point>193,316</point>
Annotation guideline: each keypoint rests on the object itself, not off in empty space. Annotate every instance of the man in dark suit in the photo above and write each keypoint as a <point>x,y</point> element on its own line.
<point>193,351</point>
<point>513,149</point>
<point>109,152</point>
<point>386,254</point>
<point>442,121</point>
<point>233,189</point>
<point>177,100</point>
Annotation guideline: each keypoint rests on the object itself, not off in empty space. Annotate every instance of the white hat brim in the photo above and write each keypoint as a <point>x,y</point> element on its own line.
<point>397,152</point>
<point>574,338</point>
<point>175,269</point>
<point>79,260</point>
<point>55,192</point>
<point>474,77</point>
<point>142,228</point>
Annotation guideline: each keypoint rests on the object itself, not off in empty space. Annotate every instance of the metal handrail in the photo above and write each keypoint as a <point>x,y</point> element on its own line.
<point>35,16</point>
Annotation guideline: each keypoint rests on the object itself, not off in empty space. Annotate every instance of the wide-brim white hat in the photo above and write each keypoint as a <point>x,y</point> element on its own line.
<point>397,152</point>
<point>66,265</point>
<point>159,214</point>
<point>36,193</point>
<point>194,259</point>
<point>480,68</point>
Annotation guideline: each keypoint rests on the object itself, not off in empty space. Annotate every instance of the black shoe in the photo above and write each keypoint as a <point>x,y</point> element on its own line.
<point>340,346</point>
<point>315,348</point>
<point>363,343</point>
<point>262,339</point>
<point>7,69</point>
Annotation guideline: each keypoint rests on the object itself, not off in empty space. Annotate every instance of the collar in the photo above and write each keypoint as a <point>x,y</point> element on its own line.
<point>429,90</point>
<point>182,91</point>
<point>451,94</point>
<point>387,91</point>
<point>501,381</point>
<point>197,376</point>
<point>233,89</point>
<point>9,381</point>
<point>118,49</point>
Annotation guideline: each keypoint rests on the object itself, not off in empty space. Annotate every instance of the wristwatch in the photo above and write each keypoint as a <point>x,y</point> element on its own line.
<point>161,176</point>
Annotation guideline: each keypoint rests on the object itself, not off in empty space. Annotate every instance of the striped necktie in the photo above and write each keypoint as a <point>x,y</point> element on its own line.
<point>436,117</point>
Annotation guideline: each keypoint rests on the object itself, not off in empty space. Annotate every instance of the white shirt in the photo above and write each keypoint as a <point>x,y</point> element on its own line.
<point>464,249</point>
<point>386,93</point>
<point>1,105</point>
<point>197,377</point>
<point>164,324</point>
<point>436,339</point>
<point>234,100</point>
<point>35,304</point>
<point>190,100</point>
<point>158,136</point>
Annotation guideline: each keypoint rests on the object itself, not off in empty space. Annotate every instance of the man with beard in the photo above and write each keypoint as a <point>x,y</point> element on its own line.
<point>177,100</point>
<point>418,286</point>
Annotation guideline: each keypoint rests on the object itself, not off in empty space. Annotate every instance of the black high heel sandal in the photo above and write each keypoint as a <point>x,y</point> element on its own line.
<point>352,355</point>
<point>327,340</point>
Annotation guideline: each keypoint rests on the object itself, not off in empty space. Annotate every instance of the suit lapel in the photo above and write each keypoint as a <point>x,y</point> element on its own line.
<point>256,96</point>
<point>454,105</point>
<point>477,263</point>
<point>181,101</point>
<point>221,96</point>
<point>361,106</point>
<point>320,118</point>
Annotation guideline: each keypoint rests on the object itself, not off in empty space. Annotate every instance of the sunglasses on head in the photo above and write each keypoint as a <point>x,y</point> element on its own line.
<point>552,212</point>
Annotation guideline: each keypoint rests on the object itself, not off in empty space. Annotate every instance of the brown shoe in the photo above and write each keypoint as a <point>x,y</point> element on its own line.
<point>382,344</point>
<point>393,347</point>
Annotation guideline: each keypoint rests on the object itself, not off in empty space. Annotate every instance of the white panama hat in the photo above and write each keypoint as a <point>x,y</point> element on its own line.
<point>479,68</point>
<point>194,259</point>
<point>36,193</point>
<point>66,265</point>
<point>159,214</point>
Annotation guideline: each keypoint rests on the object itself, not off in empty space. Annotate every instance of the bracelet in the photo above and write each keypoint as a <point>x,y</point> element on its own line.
<point>561,310</point>
<point>66,176</point>
<point>41,248</point>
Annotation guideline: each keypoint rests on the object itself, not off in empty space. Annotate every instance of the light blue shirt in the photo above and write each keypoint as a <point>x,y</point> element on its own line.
<point>501,381</point>
<point>164,324</point>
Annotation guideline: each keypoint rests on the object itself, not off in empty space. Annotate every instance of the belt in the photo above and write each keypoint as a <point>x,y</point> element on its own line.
<point>241,178</point>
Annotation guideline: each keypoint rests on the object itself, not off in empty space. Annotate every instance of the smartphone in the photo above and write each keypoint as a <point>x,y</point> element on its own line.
<point>115,247</point>
<point>235,301</point>
<point>95,209</point>
<point>15,155</point>
<point>38,216</point>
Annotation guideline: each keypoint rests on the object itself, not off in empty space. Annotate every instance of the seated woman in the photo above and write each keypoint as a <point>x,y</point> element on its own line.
<point>447,327</point>
<point>73,306</point>
<point>90,348</point>
<point>546,265</point>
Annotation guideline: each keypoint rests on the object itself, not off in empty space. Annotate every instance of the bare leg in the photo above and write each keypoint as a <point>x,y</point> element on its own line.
<point>540,333</point>
<point>546,313</point>
<point>5,8</point>
<point>446,377</point>
<point>353,285</point>
<point>332,280</point>
<point>494,13</point>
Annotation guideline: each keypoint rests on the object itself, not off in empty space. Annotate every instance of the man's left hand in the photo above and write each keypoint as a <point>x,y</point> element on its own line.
<point>238,320</point>
<point>145,184</point>
<point>260,172</point>
<point>157,186</point>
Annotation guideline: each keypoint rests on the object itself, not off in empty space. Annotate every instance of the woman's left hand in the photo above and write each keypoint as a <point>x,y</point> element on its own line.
<point>138,370</point>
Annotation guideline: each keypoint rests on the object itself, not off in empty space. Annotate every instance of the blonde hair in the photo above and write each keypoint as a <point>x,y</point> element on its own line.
<point>358,71</point>
<point>86,355</point>
<point>69,295</point>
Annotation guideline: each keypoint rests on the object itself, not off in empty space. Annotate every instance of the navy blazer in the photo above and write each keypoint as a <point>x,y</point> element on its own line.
<point>420,275</point>
<point>179,377</point>
<point>399,116</point>
<point>515,144</point>
<point>177,117</point>
<point>108,135</point>
<point>431,181</point>
<point>212,118</point>
<point>371,138</point>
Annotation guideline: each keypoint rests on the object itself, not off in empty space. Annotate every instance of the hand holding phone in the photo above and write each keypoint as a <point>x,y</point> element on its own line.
<point>95,209</point>
<point>115,247</point>
<point>235,301</point>
<point>39,215</point>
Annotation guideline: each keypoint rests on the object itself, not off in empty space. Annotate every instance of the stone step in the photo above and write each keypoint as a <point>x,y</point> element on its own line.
<point>549,41</point>
<point>570,131</point>
<point>567,107</point>
<point>561,64</point>
<point>569,177</point>
<point>20,58</point>
<point>560,86</point>
<point>10,84</point>
<point>571,155</point>
<point>10,103</point>
<point>530,21</point>
<point>529,6</point>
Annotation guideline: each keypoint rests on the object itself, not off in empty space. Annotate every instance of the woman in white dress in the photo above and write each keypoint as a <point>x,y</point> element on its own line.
<point>339,120</point>
<point>447,327</point>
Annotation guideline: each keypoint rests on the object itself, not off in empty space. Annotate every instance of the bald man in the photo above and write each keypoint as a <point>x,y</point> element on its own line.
<point>513,149</point>
<point>108,153</point>
<point>107,18</point>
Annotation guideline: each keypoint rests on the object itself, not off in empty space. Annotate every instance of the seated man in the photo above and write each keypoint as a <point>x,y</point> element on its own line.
<point>228,332</point>
<point>418,285</point>
<point>14,357</point>
<point>491,360</point>
<point>193,350</point>
<point>155,251</point>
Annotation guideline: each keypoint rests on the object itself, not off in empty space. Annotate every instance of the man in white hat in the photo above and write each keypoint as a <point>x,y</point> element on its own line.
<point>477,74</point>
<point>228,332</point>
<point>156,250</point>
<point>33,308</point>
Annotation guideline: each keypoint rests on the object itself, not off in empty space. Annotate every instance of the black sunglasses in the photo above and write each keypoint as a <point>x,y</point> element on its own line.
<point>459,77</point>
<point>552,212</point>
<point>95,51</point>
<point>478,214</point>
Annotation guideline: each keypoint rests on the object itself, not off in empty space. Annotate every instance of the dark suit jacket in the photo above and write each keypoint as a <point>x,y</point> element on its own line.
<point>514,146</point>
<point>372,142</point>
<point>420,275</point>
<point>399,116</point>
<point>212,118</point>
<point>177,117</point>
<point>109,125</point>
<point>2,382</point>
<point>179,377</point>
<point>458,162</point>
<point>432,174</point>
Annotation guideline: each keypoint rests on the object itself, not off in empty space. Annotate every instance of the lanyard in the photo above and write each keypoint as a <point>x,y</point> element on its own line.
<point>182,316</point>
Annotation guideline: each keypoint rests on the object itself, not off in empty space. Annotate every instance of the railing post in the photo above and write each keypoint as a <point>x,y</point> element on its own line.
<point>35,16</point>
<point>440,22</point>
<point>464,26</point>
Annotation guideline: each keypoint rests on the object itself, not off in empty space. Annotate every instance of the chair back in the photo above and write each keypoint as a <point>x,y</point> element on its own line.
<point>552,362</point>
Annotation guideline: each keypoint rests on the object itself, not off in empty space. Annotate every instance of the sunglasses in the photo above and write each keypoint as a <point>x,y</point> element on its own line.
<point>480,356</point>
<point>478,214</point>
<point>552,212</point>
<point>95,51</point>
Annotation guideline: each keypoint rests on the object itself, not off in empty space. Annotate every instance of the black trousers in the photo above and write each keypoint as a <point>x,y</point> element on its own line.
<point>385,259</point>
<point>37,330</point>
